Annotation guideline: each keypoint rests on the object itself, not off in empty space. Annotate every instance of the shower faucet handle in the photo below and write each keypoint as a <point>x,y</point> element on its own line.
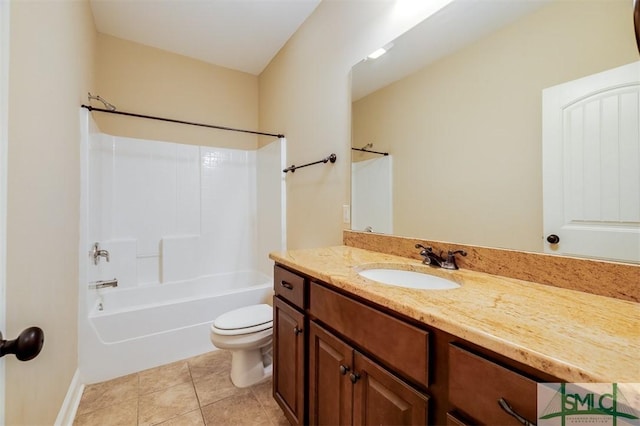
<point>96,253</point>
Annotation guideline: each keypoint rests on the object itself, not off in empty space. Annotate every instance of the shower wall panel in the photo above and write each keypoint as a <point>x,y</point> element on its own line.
<point>169,212</point>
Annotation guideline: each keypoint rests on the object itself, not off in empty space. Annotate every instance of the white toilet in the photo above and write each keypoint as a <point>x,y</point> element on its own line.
<point>246,332</point>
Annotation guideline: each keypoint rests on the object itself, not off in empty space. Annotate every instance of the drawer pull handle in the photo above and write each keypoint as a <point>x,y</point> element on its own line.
<point>344,369</point>
<point>354,377</point>
<point>507,408</point>
<point>297,330</point>
<point>286,285</point>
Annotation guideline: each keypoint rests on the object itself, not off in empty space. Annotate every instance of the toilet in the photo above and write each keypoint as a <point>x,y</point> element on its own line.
<point>247,333</point>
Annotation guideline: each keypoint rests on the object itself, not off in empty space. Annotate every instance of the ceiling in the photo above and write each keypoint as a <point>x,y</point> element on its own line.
<point>243,35</point>
<point>455,26</point>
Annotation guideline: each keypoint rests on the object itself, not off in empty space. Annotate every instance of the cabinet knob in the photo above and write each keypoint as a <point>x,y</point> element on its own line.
<point>354,377</point>
<point>297,330</point>
<point>344,369</point>
<point>507,408</point>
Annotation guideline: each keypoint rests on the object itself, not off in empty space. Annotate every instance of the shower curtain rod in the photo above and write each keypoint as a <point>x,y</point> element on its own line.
<point>367,150</point>
<point>171,120</point>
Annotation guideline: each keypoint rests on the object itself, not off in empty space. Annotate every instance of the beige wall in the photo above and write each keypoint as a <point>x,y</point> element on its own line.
<point>51,68</point>
<point>145,80</point>
<point>465,132</point>
<point>305,94</point>
<point>56,58</point>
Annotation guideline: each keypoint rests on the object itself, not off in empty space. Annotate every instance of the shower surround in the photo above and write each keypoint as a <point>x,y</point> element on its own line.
<point>188,230</point>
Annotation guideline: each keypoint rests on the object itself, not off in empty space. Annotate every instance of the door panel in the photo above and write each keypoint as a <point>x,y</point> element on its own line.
<point>4,121</point>
<point>381,398</point>
<point>330,363</point>
<point>288,351</point>
<point>591,165</point>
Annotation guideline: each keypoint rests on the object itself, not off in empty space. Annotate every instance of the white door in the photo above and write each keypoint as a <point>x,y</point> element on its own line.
<point>591,165</point>
<point>4,120</point>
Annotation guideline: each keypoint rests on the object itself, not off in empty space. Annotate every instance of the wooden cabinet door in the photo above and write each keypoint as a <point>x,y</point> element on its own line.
<point>288,365</point>
<point>381,398</point>
<point>330,365</point>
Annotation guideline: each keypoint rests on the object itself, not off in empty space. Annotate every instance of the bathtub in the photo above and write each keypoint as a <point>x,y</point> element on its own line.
<point>134,329</point>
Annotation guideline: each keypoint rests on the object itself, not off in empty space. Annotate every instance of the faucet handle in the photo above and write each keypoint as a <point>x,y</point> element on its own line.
<point>451,258</point>
<point>425,250</point>
<point>452,252</point>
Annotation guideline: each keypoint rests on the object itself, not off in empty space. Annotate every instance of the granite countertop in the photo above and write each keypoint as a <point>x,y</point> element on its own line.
<point>575,336</point>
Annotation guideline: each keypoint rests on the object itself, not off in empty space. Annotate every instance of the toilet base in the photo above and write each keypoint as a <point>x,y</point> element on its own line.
<point>249,367</point>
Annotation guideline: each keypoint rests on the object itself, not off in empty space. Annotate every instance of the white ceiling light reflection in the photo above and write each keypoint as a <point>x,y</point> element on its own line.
<point>405,8</point>
<point>379,52</point>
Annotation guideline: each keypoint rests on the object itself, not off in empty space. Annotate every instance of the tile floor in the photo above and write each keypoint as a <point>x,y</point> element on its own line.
<point>196,391</point>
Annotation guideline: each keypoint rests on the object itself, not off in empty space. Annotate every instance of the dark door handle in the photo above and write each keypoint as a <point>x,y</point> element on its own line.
<point>354,377</point>
<point>344,369</point>
<point>286,285</point>
<point>297,330</point>
<point>553,239</point>
<point>27,346</point>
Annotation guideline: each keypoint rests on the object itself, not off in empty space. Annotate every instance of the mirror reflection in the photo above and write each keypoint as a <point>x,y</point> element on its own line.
<point>463,121</point>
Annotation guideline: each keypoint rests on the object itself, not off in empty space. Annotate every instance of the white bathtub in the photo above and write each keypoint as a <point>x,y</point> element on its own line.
<point>138,328</point>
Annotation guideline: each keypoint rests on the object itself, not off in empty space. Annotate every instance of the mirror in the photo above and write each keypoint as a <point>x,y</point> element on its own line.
<point>457,103</point>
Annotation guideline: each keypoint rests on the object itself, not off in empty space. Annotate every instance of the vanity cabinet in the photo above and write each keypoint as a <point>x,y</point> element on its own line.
<point>289,356</point>
<point>340,359</point>
<point>346,387</point>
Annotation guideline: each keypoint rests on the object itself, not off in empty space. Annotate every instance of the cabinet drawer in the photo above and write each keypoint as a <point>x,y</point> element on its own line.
<point>391,340</point>
<point>454,420</point>
<point>289,286</point>
<point>476,384</point>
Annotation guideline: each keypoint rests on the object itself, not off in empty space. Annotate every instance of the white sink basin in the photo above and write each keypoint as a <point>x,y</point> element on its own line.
<point>408,279</point>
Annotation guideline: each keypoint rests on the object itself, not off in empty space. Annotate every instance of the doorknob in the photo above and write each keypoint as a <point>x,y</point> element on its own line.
<point>553,239</point>
<point>26,346</point>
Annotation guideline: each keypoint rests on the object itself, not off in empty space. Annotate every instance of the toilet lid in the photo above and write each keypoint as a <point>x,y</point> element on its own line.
<point>255,316</point>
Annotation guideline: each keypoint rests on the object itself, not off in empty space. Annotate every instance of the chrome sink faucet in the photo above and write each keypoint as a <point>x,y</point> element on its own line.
<point>436,260</point>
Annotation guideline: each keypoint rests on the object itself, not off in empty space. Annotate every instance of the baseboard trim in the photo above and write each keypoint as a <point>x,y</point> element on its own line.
<point>67,412</point>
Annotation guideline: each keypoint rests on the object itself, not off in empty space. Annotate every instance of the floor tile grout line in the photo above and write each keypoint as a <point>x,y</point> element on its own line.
<point>262,405</point>
<point>255,395</point>
<point>138,401</point>
<point>193,383</point>
<point>195,391</point>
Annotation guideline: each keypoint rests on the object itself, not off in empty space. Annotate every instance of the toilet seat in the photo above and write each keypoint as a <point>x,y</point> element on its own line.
<point>250,319</point>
